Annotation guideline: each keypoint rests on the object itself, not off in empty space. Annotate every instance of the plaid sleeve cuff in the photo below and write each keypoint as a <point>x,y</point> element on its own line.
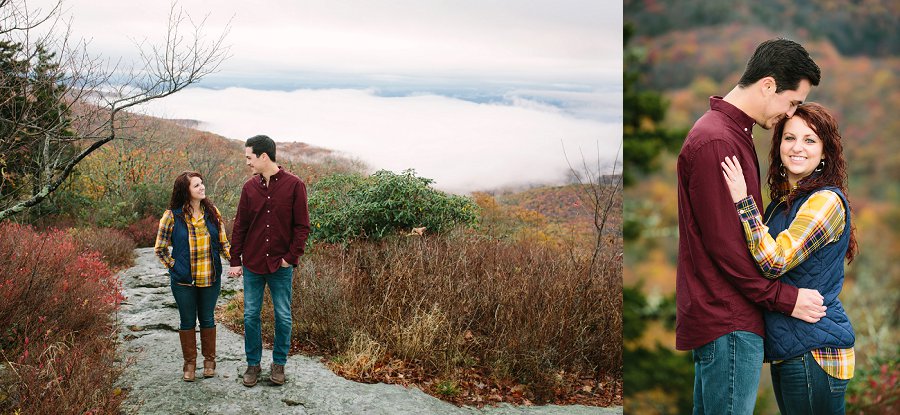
<point>747,209</point>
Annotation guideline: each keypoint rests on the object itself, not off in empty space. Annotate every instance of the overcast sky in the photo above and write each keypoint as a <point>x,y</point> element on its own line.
<point>520,77</point>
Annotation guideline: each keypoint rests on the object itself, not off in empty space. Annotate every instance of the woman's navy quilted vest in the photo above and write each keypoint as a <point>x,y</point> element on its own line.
<point>823,270</point>
<point>181,251</point>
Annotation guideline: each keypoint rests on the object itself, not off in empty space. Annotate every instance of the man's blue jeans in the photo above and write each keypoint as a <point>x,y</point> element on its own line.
<point>802,387</point>
<point>726,374</point>
<point>279,283</point>
<point>196,303</point>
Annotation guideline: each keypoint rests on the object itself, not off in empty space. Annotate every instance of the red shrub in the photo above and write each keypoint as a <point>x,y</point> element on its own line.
<point>58,333</point>
<point>143,232</point>
<point>875,390</point>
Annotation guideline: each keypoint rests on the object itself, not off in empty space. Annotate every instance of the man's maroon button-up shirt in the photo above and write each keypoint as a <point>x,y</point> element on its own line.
<point>272,223</point>
<point>718,286</point>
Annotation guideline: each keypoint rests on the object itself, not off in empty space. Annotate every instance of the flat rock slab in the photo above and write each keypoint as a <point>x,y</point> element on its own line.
<point>154,385</point>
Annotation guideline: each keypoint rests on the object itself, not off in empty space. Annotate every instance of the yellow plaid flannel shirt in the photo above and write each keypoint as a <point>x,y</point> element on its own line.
<point>199,243</point>
<point>819,221</point>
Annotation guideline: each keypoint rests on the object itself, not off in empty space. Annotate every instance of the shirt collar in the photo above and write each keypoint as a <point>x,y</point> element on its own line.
<point>275,176</point>
<point>716,103</point>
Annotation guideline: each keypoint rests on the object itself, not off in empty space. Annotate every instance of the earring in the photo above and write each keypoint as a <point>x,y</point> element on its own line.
<point>781,169</point>
<point>821,166</point>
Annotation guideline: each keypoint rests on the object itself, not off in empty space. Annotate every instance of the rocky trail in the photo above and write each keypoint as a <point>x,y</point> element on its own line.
<point>149,337</point>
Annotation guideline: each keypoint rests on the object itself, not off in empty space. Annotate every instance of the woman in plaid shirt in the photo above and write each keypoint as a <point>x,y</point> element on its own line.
<point>804,239</point>
<point>193,227</point>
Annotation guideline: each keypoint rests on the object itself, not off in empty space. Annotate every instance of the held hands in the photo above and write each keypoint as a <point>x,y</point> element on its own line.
<point>235,271</point>
<point>734,178</point>
<point>809,306</point>
<point>238,271</point>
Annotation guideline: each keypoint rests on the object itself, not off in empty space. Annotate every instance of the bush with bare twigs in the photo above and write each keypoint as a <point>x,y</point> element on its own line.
<point>114,247</point>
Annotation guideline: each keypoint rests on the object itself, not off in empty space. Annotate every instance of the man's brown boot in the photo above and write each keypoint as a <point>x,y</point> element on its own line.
<point>189,351</point>
<point>251,376</point>
<point>208,348</point>
<point>277,374</point>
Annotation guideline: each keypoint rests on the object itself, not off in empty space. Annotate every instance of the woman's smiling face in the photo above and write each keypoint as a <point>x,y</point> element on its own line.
<point>801,149</point>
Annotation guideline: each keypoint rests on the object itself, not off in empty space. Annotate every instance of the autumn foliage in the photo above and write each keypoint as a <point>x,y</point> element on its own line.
<point>57,342</point>
<point>143,232</point>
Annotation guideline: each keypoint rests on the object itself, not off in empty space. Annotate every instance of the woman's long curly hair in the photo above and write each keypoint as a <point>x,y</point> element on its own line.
<point>181,198</point>
<point>834,173</point>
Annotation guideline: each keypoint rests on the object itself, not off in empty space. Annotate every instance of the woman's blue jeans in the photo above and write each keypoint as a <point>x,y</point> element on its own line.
<point>726,374</point>
<point>802,387</point>
<point>196,303</point>
<point>279,283</point>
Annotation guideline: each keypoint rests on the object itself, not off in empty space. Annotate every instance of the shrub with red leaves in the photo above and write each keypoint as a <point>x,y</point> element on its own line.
<point>875,390</point>
<point>143,232</point>
<point>57,331</point>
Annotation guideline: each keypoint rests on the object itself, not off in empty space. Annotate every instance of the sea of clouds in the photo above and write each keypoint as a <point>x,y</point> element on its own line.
<point>509,140</point>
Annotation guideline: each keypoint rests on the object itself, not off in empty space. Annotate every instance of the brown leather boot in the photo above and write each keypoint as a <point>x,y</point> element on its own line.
<point>251,376</point>
<point>208,348</point>
<point>277,374</point>
<point>189,351</point>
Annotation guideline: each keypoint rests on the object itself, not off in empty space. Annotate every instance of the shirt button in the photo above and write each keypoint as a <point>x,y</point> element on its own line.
<point>267,226</point>
<point>745,128</point>
<point>269,197</point>
<point>267,211</point>
<point>267,254</point>
<point>267,240</point>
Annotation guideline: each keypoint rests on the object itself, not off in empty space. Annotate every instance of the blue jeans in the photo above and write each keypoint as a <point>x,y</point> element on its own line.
<point>196,303</point>
<point>726,374</point>
<point>279,283</point>
<point>802,387</point>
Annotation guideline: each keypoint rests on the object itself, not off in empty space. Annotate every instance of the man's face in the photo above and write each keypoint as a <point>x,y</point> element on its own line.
<point>783,104</point>
<point>253,162</point>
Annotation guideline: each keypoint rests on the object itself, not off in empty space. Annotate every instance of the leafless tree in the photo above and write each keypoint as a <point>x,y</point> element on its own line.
<point>599,193</point>
<point>89,97</point>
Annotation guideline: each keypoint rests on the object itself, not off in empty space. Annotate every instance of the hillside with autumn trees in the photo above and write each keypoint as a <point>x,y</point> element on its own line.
<point>542,248</point>
<point>681,53</point>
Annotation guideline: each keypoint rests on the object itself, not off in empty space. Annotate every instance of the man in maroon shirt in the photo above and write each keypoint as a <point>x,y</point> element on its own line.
<point>719,289</point>
<point>270,231</point>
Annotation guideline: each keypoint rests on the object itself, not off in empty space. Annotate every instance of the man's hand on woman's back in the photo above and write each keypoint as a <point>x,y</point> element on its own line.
<point>809,306</point>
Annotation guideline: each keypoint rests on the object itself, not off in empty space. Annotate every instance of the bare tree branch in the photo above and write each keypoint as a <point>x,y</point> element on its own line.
<point>59,103</point>
<point>599,193</point>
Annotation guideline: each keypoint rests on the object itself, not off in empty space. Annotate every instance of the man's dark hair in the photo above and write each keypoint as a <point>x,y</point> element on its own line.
<point>260,144</point>
<point>784,60</point>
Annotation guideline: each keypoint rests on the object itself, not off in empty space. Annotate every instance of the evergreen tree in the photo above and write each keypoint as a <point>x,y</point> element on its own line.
<point>643,111</point>
<point>34,120</point>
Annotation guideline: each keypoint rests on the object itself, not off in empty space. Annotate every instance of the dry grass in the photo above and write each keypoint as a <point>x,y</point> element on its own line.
<point>359,358</point>
<point>515,311</point>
